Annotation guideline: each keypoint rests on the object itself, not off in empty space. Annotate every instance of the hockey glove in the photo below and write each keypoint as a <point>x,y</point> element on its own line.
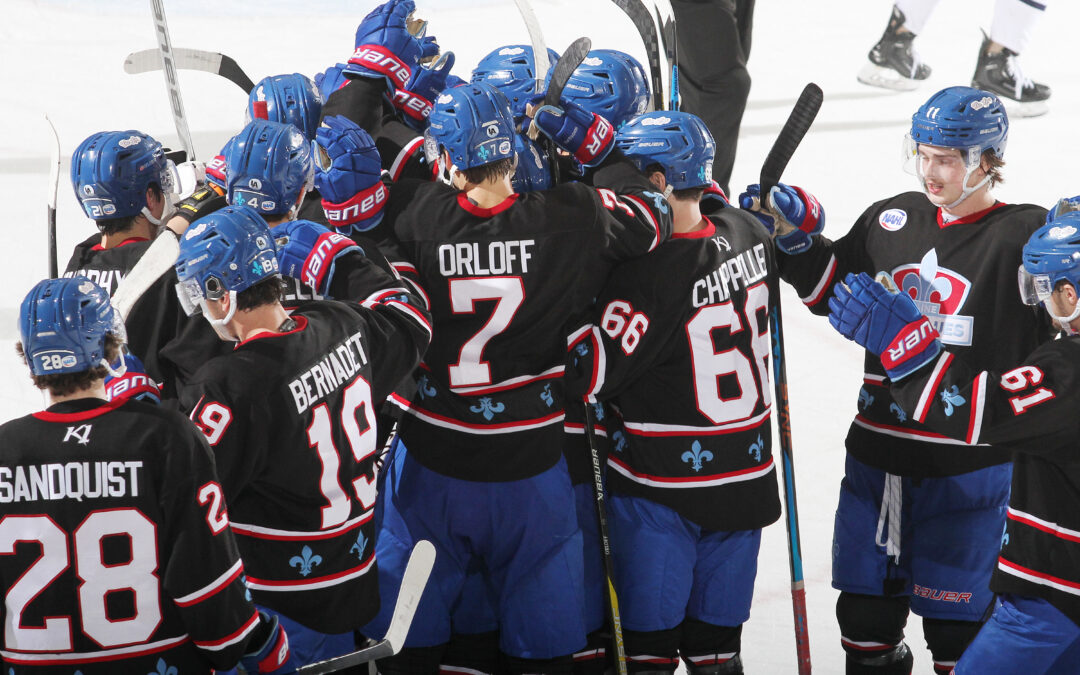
<point>215,175</point>
<point>885,323</point>
<point>800,211</point>
<point>414,102</point>
<point>330,80</point>
<point>348,175</point>
<point>585,135</point>
<point>269,654</point>
<point>387,48</point>
<point>203,202</point>
<point>308,251</point>
<point>134,383</point>
<point>713,199</point>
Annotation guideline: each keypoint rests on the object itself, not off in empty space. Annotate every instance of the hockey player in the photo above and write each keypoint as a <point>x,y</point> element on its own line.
<point>917,526</point>
<point>289,415</point>
<point>117,551</point>
<point>290,99</point>
<point>1029,407</point>
<point>478,468</point>
<point>894,64</point>
<point>682,342</point>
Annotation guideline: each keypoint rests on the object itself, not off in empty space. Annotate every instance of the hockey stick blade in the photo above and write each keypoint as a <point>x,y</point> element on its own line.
<point>567,64</point>
<point>413,582</point>
<point>541,64</point>
<point>216,63</point>
<point>798,123</point>
<point>54,181</point>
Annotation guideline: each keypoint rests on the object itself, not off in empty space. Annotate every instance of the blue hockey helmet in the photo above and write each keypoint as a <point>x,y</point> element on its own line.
<point>292,99</point>
<point>611,84</point>
<point>63,324</point>
<point>511,69</point>
<point>225,252</point>
<point>330,80</point>
<point>111,170</point>
<point>269,165</point>
<point>474,123</point>
<point>968,119</point>
<point>1051,255</point>
<point>533,170</point>
<point>678,141</point>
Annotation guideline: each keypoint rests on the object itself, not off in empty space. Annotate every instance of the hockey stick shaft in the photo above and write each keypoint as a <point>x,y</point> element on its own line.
<point>54,181</point>
<point>413,582</point>
<point>172,83</point>
<point>605,548</point>
<point>560,75</point>
<point>541,64</point>
<point>149,60</point>
<point>792,133</point>
<point>655,24</point>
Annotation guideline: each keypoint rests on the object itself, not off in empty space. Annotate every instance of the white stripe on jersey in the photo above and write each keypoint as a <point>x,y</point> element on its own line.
<point>655,429</point>
<point>927,396</point>
<point>513,382</point>
<point>823,284</point>
<point>260,532</point>
<point>899,432</point>
<point>312,584</point>
<point>40,658</point>
<point>484,429</point>
<point>213,587</point>
<point>978,393</point>
<point>1063,585</point>
<point>692,481</point>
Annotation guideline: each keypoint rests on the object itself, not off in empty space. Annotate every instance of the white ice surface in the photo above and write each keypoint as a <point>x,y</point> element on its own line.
<point>65,58</point>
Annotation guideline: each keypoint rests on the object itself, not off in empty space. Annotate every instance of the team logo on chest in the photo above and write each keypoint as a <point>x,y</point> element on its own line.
<point>939,293</point>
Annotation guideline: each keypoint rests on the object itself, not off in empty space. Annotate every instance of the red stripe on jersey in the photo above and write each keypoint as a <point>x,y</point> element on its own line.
<point>232,638</point>
<point>905,432</point>
<point>978,393</point>
<point>299,584</point>
<point>762,468</point>
<point>46,416</point>
<point>492,428</point>
<point>1036,577</point>
<point>927,398</point>
<point>259,532</point>
<point>707,231</point>
<point>822,289</point>
<point>463,202</point>
<point>973,218</point>
<point>132,240</point>
<point>647,212</point>
<point>647,429</point>
<point>512,383</point>
<point>404,156</point>
<point>213,588</point>
<point>1043,525</point>
<point>30,659</point>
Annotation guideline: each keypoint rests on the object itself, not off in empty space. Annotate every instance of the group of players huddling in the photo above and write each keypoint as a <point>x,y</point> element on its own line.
<point>382,259</point>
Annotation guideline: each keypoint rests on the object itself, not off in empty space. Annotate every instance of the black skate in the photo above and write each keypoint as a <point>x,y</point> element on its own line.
<point>894,64</point>
<point>1001,74</point>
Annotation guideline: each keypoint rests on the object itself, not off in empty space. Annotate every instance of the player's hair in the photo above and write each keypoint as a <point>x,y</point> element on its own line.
<point>266,292</point>
<point>494,170</point>
<point>994,164</point>
<point>72,383</point>
<point>110,226</point>
<point>689,194</point>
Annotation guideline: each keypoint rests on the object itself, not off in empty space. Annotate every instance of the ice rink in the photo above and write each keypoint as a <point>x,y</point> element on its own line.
<point>65,58</point>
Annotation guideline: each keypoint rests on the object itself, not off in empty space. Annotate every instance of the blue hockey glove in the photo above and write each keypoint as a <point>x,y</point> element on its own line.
<point>133,383</point>
<point>331,79</point>
<point>415,101</point>
<point>348,175</point>
<point>271,654</point>
<point>308,251</point>
<point>389,45</point>
<point>885,323</point>
<point>1063,205</point>
<point>799,209</point>
<point>585,135</point>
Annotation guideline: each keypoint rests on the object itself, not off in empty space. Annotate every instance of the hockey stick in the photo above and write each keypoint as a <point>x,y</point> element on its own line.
<point>536,37</point>
<point>149,60</point>
<point>657,30</point>
<point>802,116</point>
<point>54,181</point>
<point>413,582</point>
<point>156,261</point>
<point>172,83</point>
<point>560,75</point>
<point>605,549</point>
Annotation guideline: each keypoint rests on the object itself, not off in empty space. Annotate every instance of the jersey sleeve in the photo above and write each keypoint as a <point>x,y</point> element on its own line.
<point>635,219</point>
<point>1029,408</point>
<point>203,573</point>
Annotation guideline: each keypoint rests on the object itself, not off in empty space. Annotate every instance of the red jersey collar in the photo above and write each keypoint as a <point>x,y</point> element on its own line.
<point>130,240</point>
<point>301,324</point>
<point>967,220</point>
<point>463,201</point>
<point>707,231</point>
<point>80,409</point>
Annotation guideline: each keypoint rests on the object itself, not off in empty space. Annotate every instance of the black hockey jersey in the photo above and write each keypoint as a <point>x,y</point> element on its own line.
<point>1031,410</point>
<point>115,549</point>
<point>681,338</point>
<point>155,318</point>
<point>502,284</point>
<point>290,417</point>
<point>962,276</point>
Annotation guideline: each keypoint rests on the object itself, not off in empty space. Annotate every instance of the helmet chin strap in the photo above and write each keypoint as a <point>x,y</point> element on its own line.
<point>167,211</point>
<point>1065,321</point>
<point>968,191</point>
<point>220,326</point>
<point>115,372</point>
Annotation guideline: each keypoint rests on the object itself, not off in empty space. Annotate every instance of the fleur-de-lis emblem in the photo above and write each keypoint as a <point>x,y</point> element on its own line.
<point>865,399</point>
<point>487,408</point>
<point>620,441</point>
<point>598,411</point>
<point>424,388</point>
<point>951,397</point>
<point>305,561</point>
<point>546,395</point>
<point>658,201</point>
<point>359,546</point>
<point>898,411</point>
<point>756,448</point>
<point>696,456</point>
<point>922,287</point>
<point>162,669</point>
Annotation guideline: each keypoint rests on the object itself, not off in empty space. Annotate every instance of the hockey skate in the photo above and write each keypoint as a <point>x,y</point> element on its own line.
<point>893,62</point>
<point>1001,74</point>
